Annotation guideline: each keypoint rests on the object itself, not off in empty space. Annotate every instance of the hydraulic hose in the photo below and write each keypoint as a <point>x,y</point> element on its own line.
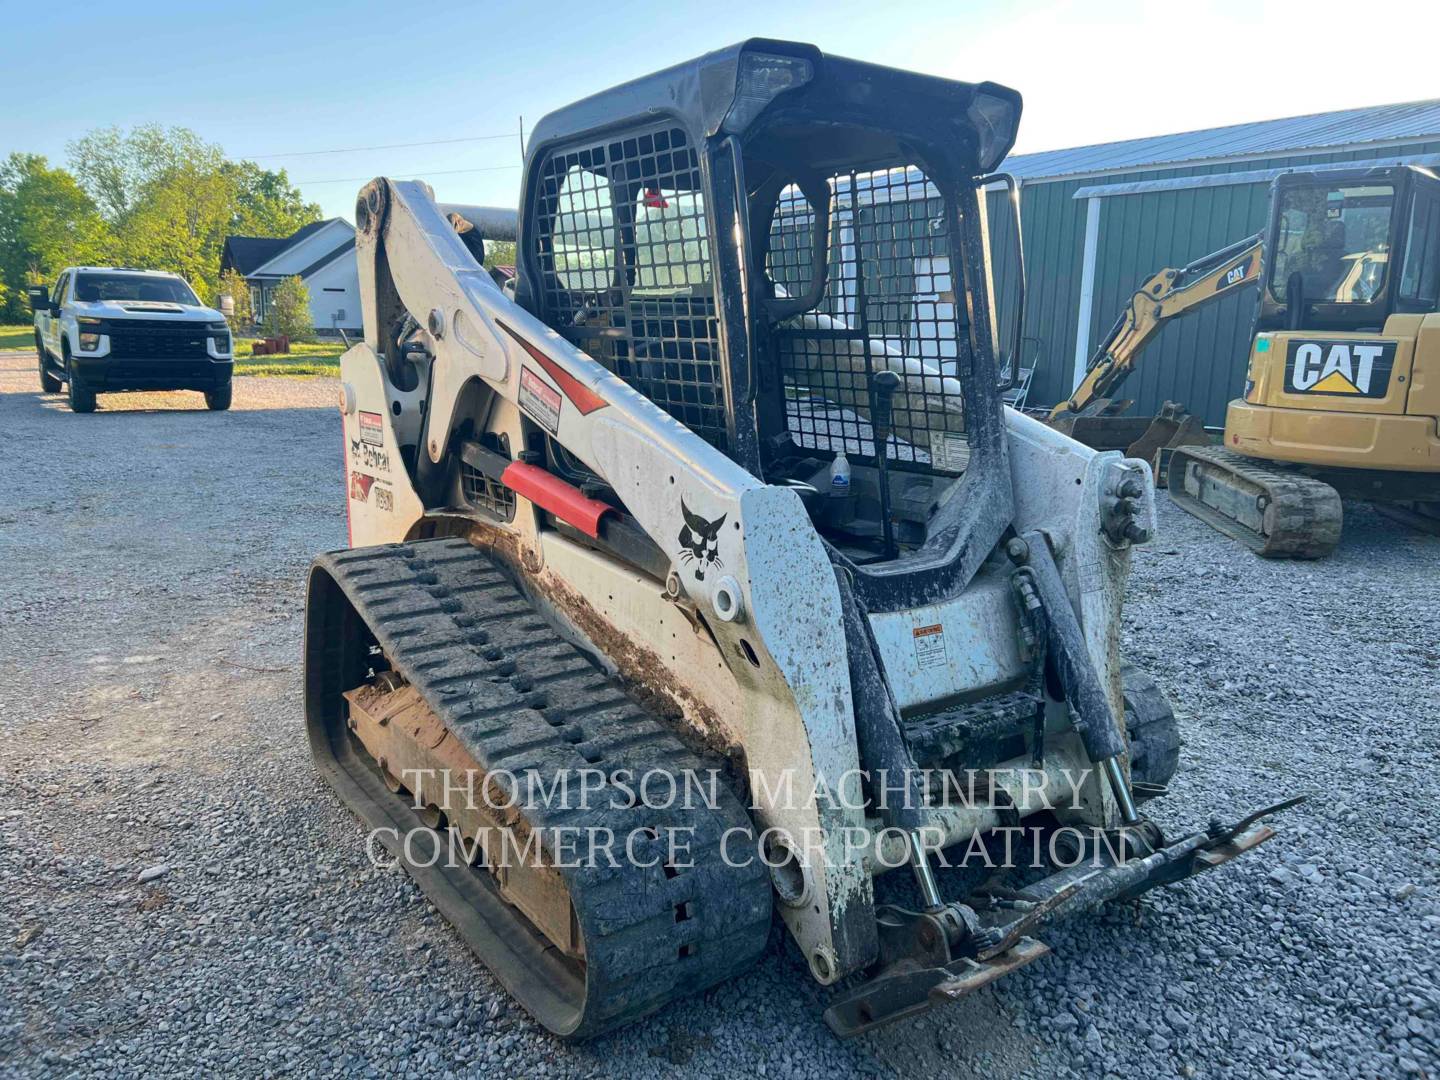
<point>1089,705</point>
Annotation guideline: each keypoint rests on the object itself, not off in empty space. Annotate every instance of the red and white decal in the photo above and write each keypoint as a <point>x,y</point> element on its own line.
<point>372,428</point>
<point>540,399</point>
<point>360,484</point>
<point>580,395</point>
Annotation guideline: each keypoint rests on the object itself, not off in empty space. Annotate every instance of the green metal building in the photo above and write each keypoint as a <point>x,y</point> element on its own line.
<point>1099,220</point>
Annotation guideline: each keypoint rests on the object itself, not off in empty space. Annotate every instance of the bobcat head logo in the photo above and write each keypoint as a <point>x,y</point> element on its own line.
<point>699,541</point>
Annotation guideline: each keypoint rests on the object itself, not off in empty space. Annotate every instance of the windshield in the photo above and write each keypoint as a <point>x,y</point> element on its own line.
<point>1337,238</point>
<point>157,288</point>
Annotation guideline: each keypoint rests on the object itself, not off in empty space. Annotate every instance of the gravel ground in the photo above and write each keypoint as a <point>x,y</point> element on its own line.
<point>149,641</point>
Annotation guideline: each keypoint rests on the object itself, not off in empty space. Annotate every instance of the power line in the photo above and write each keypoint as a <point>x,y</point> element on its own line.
<point>414,176</point>
<point>383,146</point>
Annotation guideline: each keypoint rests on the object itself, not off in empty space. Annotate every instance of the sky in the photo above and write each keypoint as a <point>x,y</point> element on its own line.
<point>285,83</point>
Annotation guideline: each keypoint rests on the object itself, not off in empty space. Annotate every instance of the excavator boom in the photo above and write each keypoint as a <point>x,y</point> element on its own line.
<point>1166,295</point>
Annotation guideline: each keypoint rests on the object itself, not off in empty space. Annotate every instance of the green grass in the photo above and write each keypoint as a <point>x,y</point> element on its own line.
<point>319,358</point>
<point>17,337</point>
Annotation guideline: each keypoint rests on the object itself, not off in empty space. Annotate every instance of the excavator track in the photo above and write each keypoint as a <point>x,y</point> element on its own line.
<point>1275,513</point>
<point>521,700</point>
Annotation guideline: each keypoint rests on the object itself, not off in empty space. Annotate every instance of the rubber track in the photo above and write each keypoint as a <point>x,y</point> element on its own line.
<point>519,697</point>
<point>1307,513</point>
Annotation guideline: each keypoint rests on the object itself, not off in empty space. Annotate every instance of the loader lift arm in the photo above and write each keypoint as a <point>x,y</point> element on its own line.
<point>1166,295</point>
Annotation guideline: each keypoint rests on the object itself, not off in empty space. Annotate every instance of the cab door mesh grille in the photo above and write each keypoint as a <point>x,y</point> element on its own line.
<point>622,241</point>
<point>889,302</point>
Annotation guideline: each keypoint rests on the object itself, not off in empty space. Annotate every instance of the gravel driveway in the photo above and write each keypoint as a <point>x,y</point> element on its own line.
<point>153,557</point>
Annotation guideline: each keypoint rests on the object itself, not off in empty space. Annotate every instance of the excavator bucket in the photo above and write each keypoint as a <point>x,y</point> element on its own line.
<point>1140,438</point>
<point>1172,426</point>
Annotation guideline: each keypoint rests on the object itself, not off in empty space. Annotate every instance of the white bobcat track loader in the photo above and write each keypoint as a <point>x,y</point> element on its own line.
<point>596,549</point>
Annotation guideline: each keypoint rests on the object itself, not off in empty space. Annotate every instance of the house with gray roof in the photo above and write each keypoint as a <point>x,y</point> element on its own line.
<point>322,255</point>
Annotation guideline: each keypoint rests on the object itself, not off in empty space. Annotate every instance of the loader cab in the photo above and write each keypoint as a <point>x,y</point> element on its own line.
<point>1348,249</point>
<point>749,238</point>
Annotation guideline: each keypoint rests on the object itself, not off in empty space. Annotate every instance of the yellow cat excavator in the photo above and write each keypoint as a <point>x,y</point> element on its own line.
<point>1343,389</point>
<point>1342,394</point>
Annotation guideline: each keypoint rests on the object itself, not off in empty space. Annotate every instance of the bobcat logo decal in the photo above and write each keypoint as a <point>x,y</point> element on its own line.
<point>699,541</point>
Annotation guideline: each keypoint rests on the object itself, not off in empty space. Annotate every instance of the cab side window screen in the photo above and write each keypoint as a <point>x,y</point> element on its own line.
<point>1420,280</point>
<point>583,232</point>
<point>623,247</point>
<point>672,249</point>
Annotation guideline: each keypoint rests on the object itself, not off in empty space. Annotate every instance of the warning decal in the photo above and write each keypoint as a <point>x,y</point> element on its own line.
<point>540,399</point>
<point>949,451</point>
<point>929,645</point>
<point>372,429</point>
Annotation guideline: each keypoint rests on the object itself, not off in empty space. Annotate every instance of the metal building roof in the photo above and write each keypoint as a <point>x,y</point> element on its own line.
<point>1374,124</point>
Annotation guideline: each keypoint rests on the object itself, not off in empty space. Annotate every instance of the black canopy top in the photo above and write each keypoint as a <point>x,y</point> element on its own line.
<point>761,87</point>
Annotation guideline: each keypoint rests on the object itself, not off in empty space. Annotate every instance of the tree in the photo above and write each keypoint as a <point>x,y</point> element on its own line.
<point>499,253</point>
<point>119,169</point>
<point>180,226</point>
<point>265,203</point>
<point>234,285</point>
<point>171,198</point>
<point>155,197</point>
<point>46,223</point>
<point>290,311</point>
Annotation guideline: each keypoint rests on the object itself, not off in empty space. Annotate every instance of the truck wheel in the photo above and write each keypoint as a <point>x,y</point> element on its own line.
<point>1153,730</point>
<point>48,383</point>
<point>80,396</point>
<point>218,400</point>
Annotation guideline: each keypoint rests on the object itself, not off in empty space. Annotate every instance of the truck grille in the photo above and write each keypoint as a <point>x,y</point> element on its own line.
<point>146,339</point>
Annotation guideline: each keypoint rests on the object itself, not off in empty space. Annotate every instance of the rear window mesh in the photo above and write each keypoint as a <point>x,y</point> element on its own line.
<point>624,254</point>
<point>889,302</point>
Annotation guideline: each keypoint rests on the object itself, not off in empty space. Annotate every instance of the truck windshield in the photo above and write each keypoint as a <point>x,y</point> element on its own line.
<point>1337,238</point>
<point>170,290</point>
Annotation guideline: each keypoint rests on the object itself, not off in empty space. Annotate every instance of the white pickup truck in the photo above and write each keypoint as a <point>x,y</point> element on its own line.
<point>102,329</point>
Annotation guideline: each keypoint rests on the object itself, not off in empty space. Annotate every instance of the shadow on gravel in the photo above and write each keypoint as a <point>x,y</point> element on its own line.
<point>144,404</point>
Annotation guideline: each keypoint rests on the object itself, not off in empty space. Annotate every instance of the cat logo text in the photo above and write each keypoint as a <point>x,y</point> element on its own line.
<point>1234,275</point>
<point>1348,368</point>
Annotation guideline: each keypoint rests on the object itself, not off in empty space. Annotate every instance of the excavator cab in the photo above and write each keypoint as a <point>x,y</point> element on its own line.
<point>1342,392</point>
<point>1337,239</point>
<point>1348,326</point>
